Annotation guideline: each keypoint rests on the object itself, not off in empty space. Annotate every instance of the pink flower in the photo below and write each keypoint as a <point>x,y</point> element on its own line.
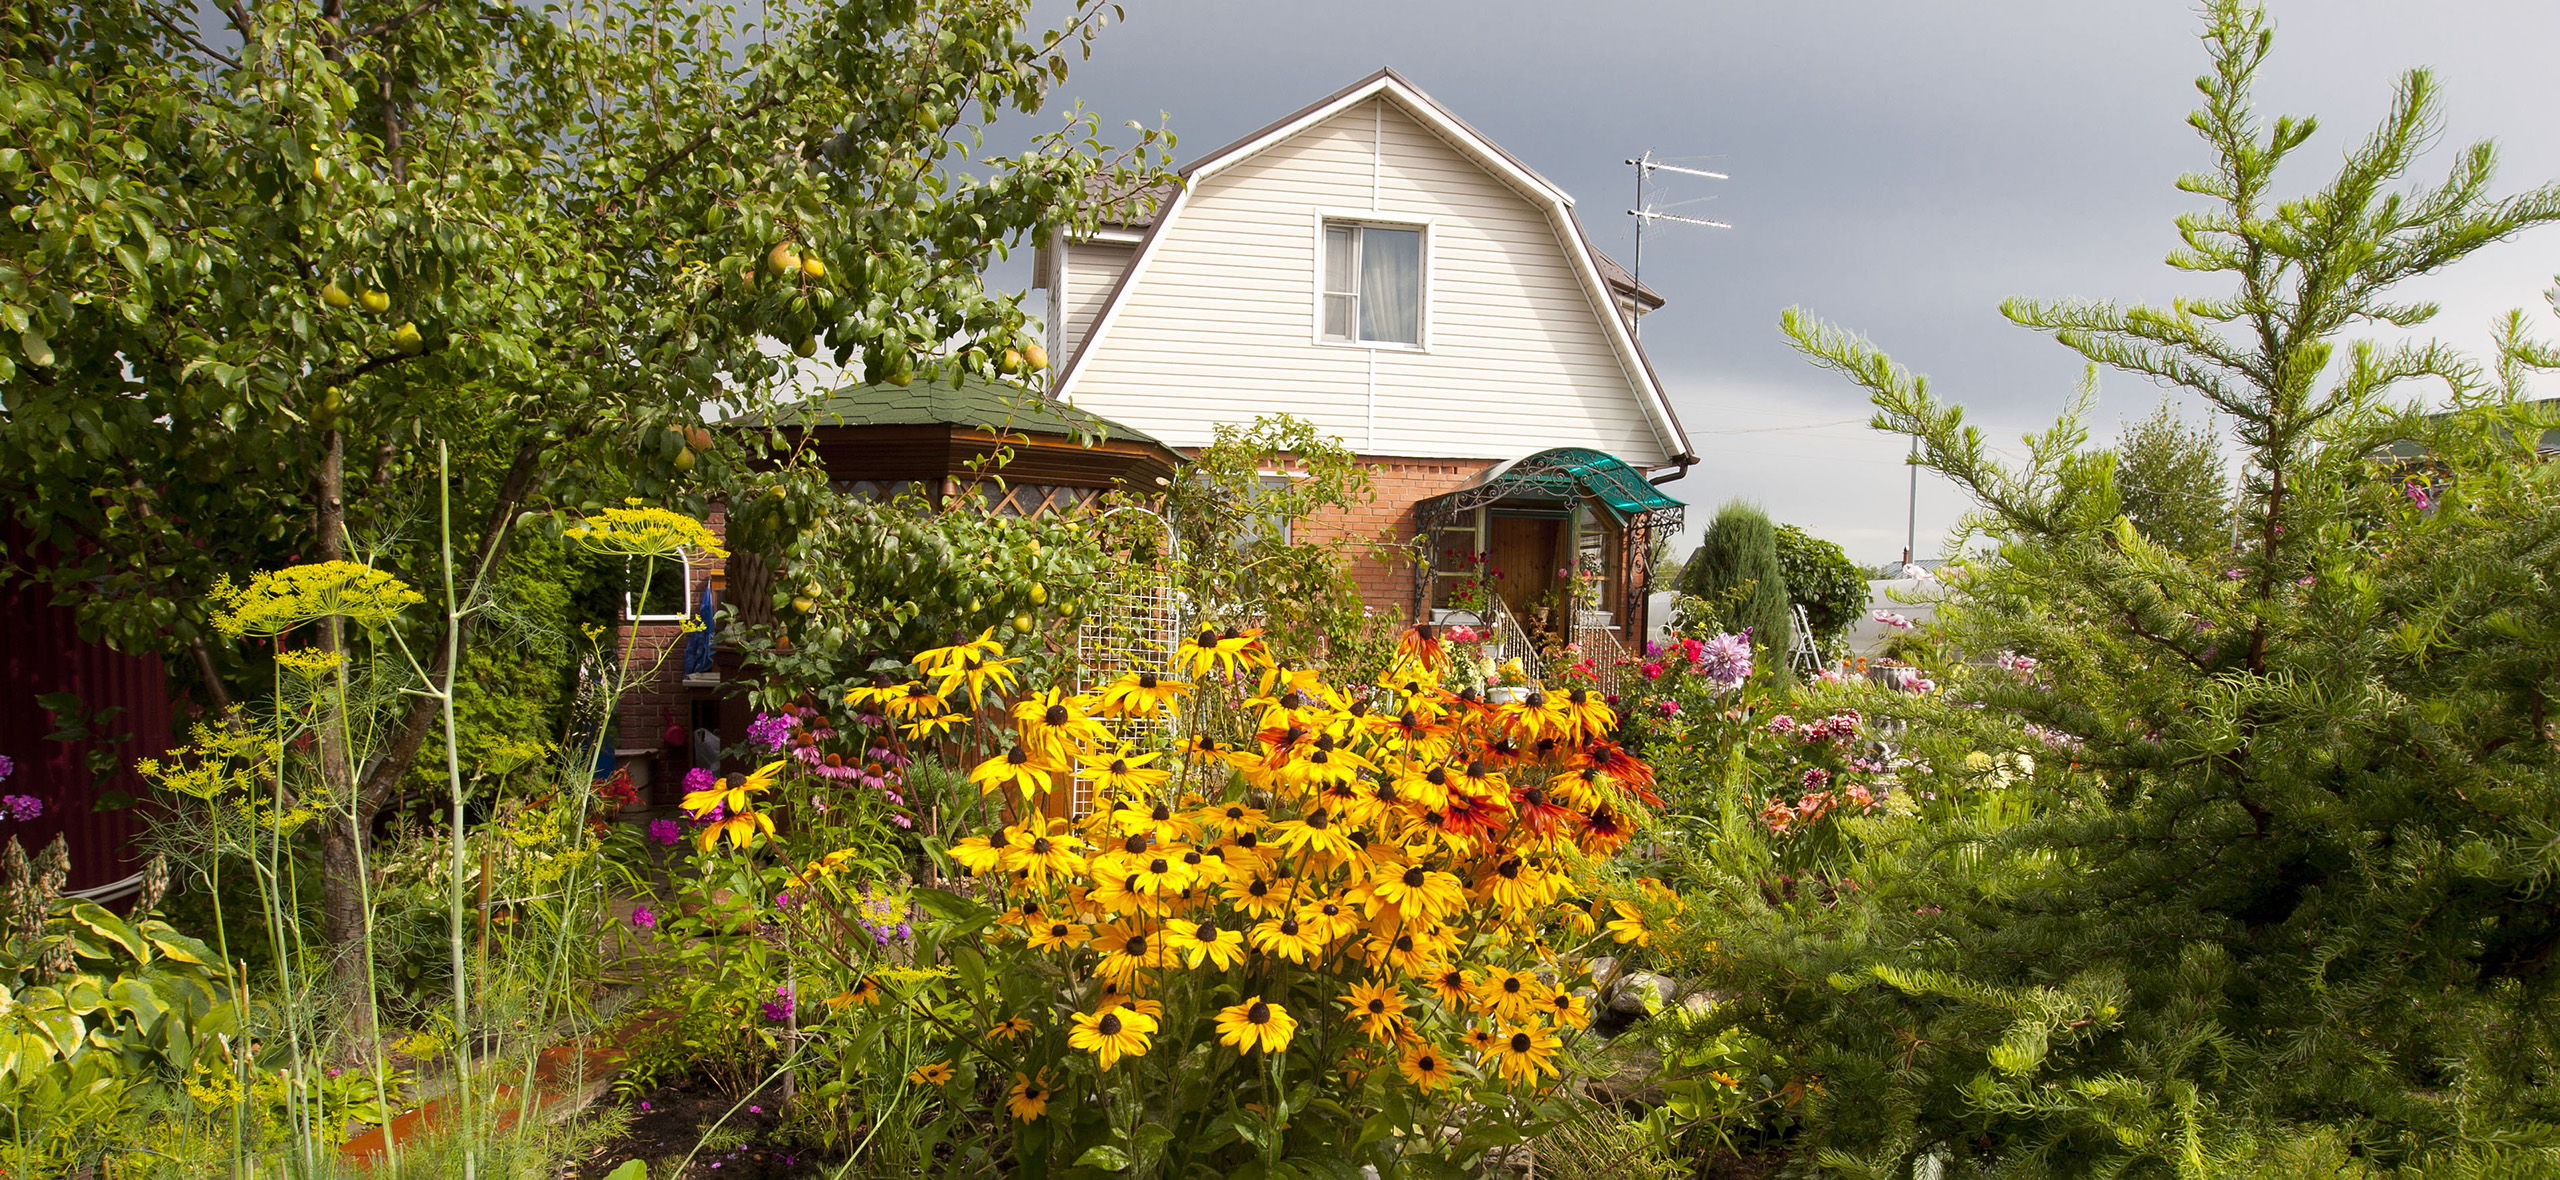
<point>1653,671</point>
<point>642,918</point>
<point>1890,619</point>
<point>1782,725</point>
<point>1669,707</point>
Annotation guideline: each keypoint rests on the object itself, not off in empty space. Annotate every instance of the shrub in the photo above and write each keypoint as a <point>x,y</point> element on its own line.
<point>1737,574</point>
<point>1820,578</point>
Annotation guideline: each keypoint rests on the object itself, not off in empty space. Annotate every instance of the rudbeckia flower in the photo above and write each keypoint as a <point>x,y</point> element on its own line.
<point>1586,714</point>
<point>1379,1009</point>
<point>1008,1029</point>
<point>979,854</point>
<point>1569,1010</point>
<point>914,701</point>
<point>1286,938</point>
<point>1453,985</point>
<point>1629,926</point>
<point>935,1074</point>
<point>925,729</point>
<point>1112,1035</point>
<point>738,824</point>
<point>1055,726</point>
<point>1046,849</point>
<point>1160,876</point>
<point>1417,891</point>
<point>1205,941</point>
<point>978,674</point>
<point>1420,644</point>
<point>1058,934</point>
<point>1256,1023</point>
<point>1017,768</point>
<point>939,661</point>
<point>1424,1065</point>
<point>1125,950</point>
<point>1317,833</point>
<point>1510,995</point>
<point>1526,1051</point>
<point>1029,1099</point>
<point>1139,694</point>
<point>1255,896</point>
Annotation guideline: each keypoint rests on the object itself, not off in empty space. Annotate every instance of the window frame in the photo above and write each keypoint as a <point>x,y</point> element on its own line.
<point>630,593</point>
<point>1330,219</point>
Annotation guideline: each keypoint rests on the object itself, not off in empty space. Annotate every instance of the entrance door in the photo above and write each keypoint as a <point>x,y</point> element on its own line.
<point>1526,551</point>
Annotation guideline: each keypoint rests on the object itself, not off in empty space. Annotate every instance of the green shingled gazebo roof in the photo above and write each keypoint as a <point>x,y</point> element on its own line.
<point>978,402</point>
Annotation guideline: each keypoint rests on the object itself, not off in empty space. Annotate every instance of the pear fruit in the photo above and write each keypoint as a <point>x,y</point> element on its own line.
<point>810,266</point>
<point>1036,357</point>
<point>685,459</point>
<point>407,340</point>
<point>697,438</point>
<point>783,258</point>
<point>1012,362</point>
<point>376,302</point>
<point>336,296</point>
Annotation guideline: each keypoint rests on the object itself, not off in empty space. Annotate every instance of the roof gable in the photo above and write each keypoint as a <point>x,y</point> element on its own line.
<point>1590,271</point>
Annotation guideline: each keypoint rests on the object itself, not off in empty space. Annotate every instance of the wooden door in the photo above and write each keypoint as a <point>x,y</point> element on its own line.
<point>1525,552</point>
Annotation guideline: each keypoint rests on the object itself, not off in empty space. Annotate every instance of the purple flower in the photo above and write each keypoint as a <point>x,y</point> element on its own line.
<point>769,730</point>
<point>700,779</point>
<point>2418,496</point>
<point>752,1110</point>
<point>22,808</point>
<point>642,918</point>
<point>1725,661</point>
<point>666,831</point>
<point>7,767</point>
<point>778,1009</point>
<point>785,900</point>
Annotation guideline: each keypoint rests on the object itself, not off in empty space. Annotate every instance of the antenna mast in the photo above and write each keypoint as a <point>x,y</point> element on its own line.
<point>1645,165</point>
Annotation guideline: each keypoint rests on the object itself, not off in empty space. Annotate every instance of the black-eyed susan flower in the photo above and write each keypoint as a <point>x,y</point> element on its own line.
<point>1525,1051</point>
<point>1009,1028</point>
<point>1113,1034</point>
<point>1126,949</point>
<point>1256,896</point>
<point>865,991</point>
<point>1029,1098</point>
<point>978,675</point>
<point>932,1074</point>
<point>1483,1040</point>
<point>1416,891</point>
<point>1055,724</point>
<point>1139,694</point>
<point>728,812</point>
<point>937,661</point>
<point>1047,848</point>
<point>1018,768</point>
<point>915,700</point>
<point>1256,1023</point>
<point>1327,919</point>
<point>926,729</point>
<point>1162,875</point>
<point>1510,995</point>
<point>1629,926</point>
<point>981,854</point>
<point>1568,1010</point>
<point>1286,938</point>
<point>1378,1007</point>
<point>1054,934</point>
<point>1454,986</point>
<point>1425,1065</point>
<point>1315,832</point>
<point>1205,942</point>
<point>1126,773</point>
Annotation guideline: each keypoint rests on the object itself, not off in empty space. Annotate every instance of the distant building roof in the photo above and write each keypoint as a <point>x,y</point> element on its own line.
<point>931,432</point>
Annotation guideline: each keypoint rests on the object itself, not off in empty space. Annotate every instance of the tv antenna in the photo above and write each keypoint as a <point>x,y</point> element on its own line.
<point>1645,166</point>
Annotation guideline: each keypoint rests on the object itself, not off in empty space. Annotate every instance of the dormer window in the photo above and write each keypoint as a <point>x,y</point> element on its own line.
<point>1372,284</point>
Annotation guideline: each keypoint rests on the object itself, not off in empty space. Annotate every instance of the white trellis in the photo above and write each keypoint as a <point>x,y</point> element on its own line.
<point>1130,624</point>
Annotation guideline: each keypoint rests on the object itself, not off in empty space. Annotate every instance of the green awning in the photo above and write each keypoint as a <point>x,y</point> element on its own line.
<point>1564,475</point>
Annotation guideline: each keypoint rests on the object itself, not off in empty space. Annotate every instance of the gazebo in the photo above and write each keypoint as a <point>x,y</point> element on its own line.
<point>1569,531</point>
<point>881,439</point>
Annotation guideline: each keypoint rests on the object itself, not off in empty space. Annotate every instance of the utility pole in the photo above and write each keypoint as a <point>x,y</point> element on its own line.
<point>1645,165</point>
<point>1911,522</point>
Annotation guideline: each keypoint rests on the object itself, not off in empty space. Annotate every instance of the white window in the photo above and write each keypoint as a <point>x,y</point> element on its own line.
<point>667,583</point>
<point>1372,284</point>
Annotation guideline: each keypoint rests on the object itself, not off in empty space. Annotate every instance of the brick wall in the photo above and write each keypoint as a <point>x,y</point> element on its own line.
<point>1380,533</point>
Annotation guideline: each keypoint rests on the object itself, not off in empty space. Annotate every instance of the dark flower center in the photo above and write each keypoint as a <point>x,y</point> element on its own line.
<point>1031,1093</point>
<point>1040,847</point>
<point>1579,696</point>
<point>1208,932</point>
<point>1137,945</point>
<point>1426,1063</point>
<point>1467,694</point>
<point>1426,632</point>
<point>1510,870</point>
<point>1135,844</point>
<point>1235,813</point>
<point>1377,1006</point>
<point>1146,680</point>
<point>1519,1042</point>
<point>1248,841</point>
<point>1056,715</point>
<point>1161,813</point>
<point>1415,876</point>
<point>1158,866</point>
<point>1119,766</point>
<point>1289,927</point>
<point>1109,1025</point>
<point>997,840</point>
<point>1475,768</point>
<point>1260,1013</point>
<point>1439,776</point>
<point>1292,700</point>
<point>1017,756</point>
<point>1331,910</point>
<point>1258,888</point>
<point>1318,820</point>
<point>1512,985</point>
<point>1404,943</point>
<point>1058,930</point>
<point>1537,796</point>
<point>1535,700</point>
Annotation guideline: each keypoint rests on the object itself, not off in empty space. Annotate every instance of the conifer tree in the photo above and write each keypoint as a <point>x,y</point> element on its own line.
<point>2281,884</point>
<point>1736,572</point>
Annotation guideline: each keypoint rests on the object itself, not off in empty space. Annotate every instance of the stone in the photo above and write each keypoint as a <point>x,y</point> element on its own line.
<point>1697,1003</point>
<point>1642,994</point>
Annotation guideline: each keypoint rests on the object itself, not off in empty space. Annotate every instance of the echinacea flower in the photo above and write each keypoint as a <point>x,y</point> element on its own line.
<point>1256,1023</point>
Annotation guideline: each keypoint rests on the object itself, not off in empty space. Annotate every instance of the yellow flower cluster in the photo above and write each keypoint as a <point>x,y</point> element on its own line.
<point>635,531</point>
<point>280,600</point>
<point>1395,842</point>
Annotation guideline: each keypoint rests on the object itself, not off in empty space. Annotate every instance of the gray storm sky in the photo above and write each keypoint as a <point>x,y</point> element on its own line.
<point>1898,168</point>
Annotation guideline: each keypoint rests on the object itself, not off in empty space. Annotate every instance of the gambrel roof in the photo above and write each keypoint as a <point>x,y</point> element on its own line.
<point>1602,282</point>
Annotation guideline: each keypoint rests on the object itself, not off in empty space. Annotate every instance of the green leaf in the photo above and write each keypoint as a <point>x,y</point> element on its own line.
<point>1104,1156</point>
<point>108,926</point>
<point>630,1170</point>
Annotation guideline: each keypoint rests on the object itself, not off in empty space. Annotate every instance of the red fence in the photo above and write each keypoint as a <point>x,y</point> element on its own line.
<point>41,653</point>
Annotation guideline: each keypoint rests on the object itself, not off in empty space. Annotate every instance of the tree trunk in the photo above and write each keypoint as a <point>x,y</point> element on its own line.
<point>342,917</point>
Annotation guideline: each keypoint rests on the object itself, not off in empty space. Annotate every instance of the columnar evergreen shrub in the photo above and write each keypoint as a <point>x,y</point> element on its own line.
<point>1737,573</point>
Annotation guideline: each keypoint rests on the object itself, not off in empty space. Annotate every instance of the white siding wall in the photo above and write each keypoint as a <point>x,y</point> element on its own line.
<point>1221,326</point>
<point>1092,269</point>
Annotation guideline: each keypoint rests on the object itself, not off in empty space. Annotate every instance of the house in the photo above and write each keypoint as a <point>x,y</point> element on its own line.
<point>1374,265</point>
